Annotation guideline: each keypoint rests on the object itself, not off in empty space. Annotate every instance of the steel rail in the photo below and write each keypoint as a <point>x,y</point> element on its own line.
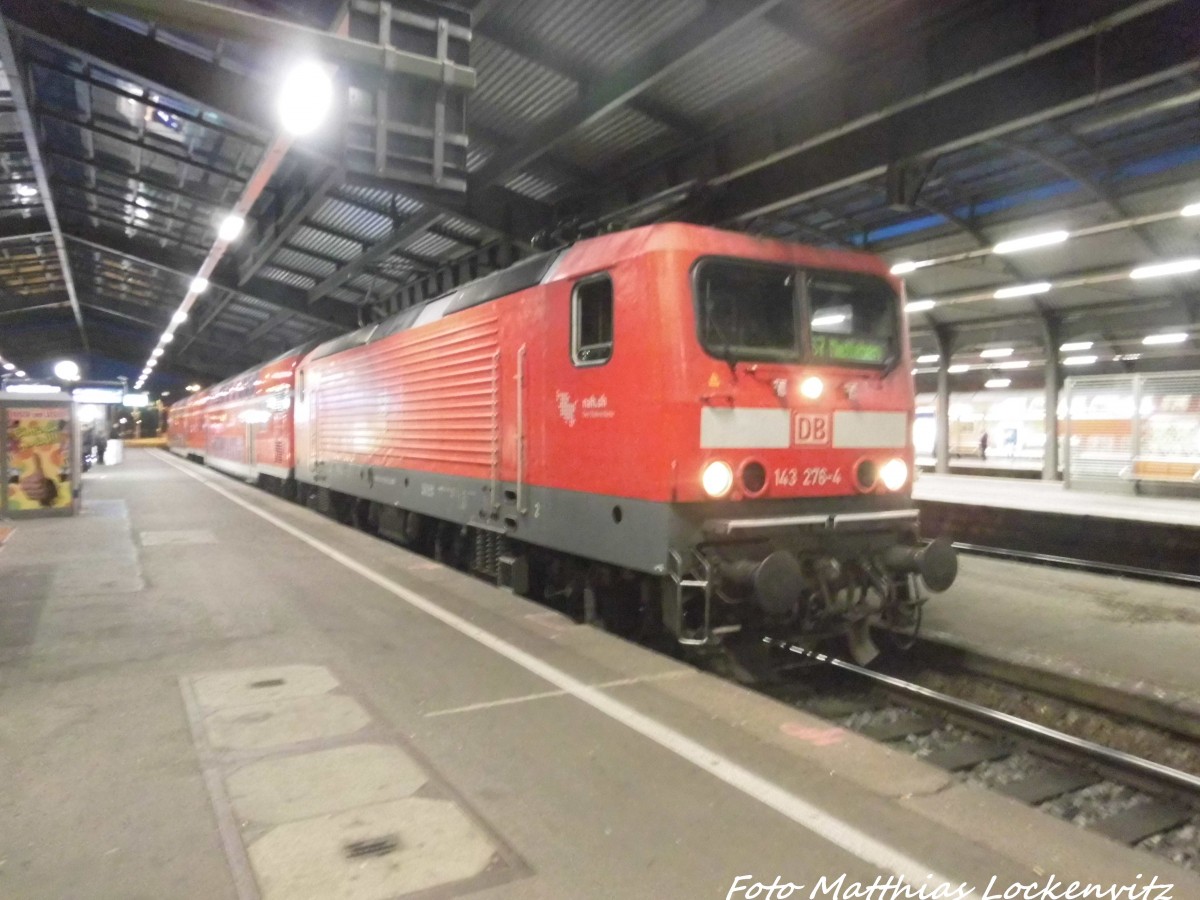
<point>1145,768</point>
<point>1084,565</point>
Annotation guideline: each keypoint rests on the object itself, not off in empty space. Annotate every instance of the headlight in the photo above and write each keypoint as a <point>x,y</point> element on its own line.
<point>894,474</point>
<point>812,387</point>
<point>717,479</point>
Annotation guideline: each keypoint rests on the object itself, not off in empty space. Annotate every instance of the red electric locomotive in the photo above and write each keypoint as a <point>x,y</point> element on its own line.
<point>680,426</point>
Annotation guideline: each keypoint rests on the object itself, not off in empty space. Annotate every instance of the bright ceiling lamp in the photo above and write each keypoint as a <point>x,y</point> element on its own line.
<point>908,265</point>
<point>1032,242</point>
<point>996,352</point>
<point>179,318</point>
<point>1022,290</point>
<point>1076,345</point>
<point>1176,337</point>
<point>1079,360</point>
<point>1014,364</point>
<point>928,358</point>
<point>916,306</point>
<point>1192,209</point>
<point>199,284</point>
<point>305,98</point>
<point>168,337</point>
<point>826,321</point>
<point>231,227</point>
<point>20,373</point>
<point>997,383</point>
<point>26,190</point>
<point>958,369</point>
<point>66,370</point>
<point>9,366</point>
<point>1178,267</point>
<point>156,352</point>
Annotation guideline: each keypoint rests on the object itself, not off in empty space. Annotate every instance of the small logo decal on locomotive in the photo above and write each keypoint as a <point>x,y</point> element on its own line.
<point>811,430</point>
<point>594,407</point>
<point>566,407</point>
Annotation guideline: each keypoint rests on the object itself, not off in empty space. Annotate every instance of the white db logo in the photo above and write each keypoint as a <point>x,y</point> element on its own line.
<point>812,429</point>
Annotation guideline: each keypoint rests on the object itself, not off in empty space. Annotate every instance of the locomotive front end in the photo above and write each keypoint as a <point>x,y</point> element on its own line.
<point>794,513</point>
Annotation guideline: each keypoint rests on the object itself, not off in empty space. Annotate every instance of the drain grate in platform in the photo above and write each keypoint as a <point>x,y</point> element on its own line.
<point>377,846</point>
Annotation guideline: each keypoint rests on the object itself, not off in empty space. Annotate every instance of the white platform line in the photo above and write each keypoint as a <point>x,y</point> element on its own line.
<point>543,695</point>
<point>805,814</point>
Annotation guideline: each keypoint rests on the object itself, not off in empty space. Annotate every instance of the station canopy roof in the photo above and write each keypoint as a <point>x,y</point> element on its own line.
<point>927,131</point>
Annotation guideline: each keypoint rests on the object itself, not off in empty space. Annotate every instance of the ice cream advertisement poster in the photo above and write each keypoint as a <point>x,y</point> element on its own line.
<point>38,458</point>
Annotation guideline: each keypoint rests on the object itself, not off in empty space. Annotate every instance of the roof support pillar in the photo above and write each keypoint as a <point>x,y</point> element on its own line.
<point>945,343</point>
<point>1051,336</point>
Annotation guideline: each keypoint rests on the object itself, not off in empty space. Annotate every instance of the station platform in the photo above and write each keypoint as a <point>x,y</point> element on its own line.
<point>209,692</point>
<point>1155,533</point>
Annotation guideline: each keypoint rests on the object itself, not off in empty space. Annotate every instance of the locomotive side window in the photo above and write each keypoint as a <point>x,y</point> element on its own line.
<point>592,321</point>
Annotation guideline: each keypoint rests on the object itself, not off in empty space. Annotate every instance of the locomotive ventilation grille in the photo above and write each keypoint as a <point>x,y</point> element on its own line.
<point>429,399</point>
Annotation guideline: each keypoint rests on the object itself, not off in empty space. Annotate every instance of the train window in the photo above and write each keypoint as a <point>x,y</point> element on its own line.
<point>592,321</point>
<point>852,317</point>
<point>747,310</point>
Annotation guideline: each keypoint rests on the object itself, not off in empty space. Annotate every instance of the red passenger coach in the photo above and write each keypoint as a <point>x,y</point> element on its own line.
<point>680,426</point>
<point>243,425</point>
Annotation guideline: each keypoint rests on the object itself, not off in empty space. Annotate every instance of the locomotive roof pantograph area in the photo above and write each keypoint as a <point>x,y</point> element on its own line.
<point>933,132</point>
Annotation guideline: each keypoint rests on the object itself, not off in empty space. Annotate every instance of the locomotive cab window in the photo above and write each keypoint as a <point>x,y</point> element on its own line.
<point>852,317</point>
<point>755,311</point>
<point>592,321</point>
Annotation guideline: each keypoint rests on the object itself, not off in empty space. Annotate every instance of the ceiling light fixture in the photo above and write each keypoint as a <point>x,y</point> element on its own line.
<point>996,352</point>
<point>1076,345</point>
<point>916,306</point>
<point>179,318</point>
<point>908,265</point>
<point>928,358</point>
<point>1032,242</point>
<point>1079,360</point>
<point>1176,337</point>
<point>305,98</point>
<point>200,284</point>
<point>1013,364</point>
<point>1192,209</point>
<point>231,227</point>
<point>1022,290</point>
<point>1177,267</point>
<point>958,369</point>
<point>997,382</point>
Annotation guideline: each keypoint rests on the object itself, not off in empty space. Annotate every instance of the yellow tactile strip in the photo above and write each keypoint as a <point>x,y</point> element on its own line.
<point>315,800</point>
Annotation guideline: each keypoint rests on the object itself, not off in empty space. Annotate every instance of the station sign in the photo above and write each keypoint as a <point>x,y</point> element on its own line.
<point>98,395</point>
<point>136,401</point>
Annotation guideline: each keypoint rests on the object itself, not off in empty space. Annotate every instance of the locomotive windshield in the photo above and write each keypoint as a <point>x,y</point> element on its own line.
<point>762,312</point>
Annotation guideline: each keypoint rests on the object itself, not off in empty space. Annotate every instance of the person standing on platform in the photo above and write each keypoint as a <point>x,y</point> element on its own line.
<point>983,442</point>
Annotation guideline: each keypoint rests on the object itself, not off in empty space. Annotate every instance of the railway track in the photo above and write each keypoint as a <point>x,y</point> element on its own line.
<point>1124,796</point>
<point>1095,567</point>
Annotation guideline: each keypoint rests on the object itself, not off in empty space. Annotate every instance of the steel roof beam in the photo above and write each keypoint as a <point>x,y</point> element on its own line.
<point>229,22</point>
<point>819,148</point>
<point>160,68</point>
<point>634,78</point>
<point>274,233</point>
<point>17,88</point>
<point>401,232</point>
<point>260,290</point>
<point>140,144</point>
<point>25,229</point>
<point>568,67</point>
